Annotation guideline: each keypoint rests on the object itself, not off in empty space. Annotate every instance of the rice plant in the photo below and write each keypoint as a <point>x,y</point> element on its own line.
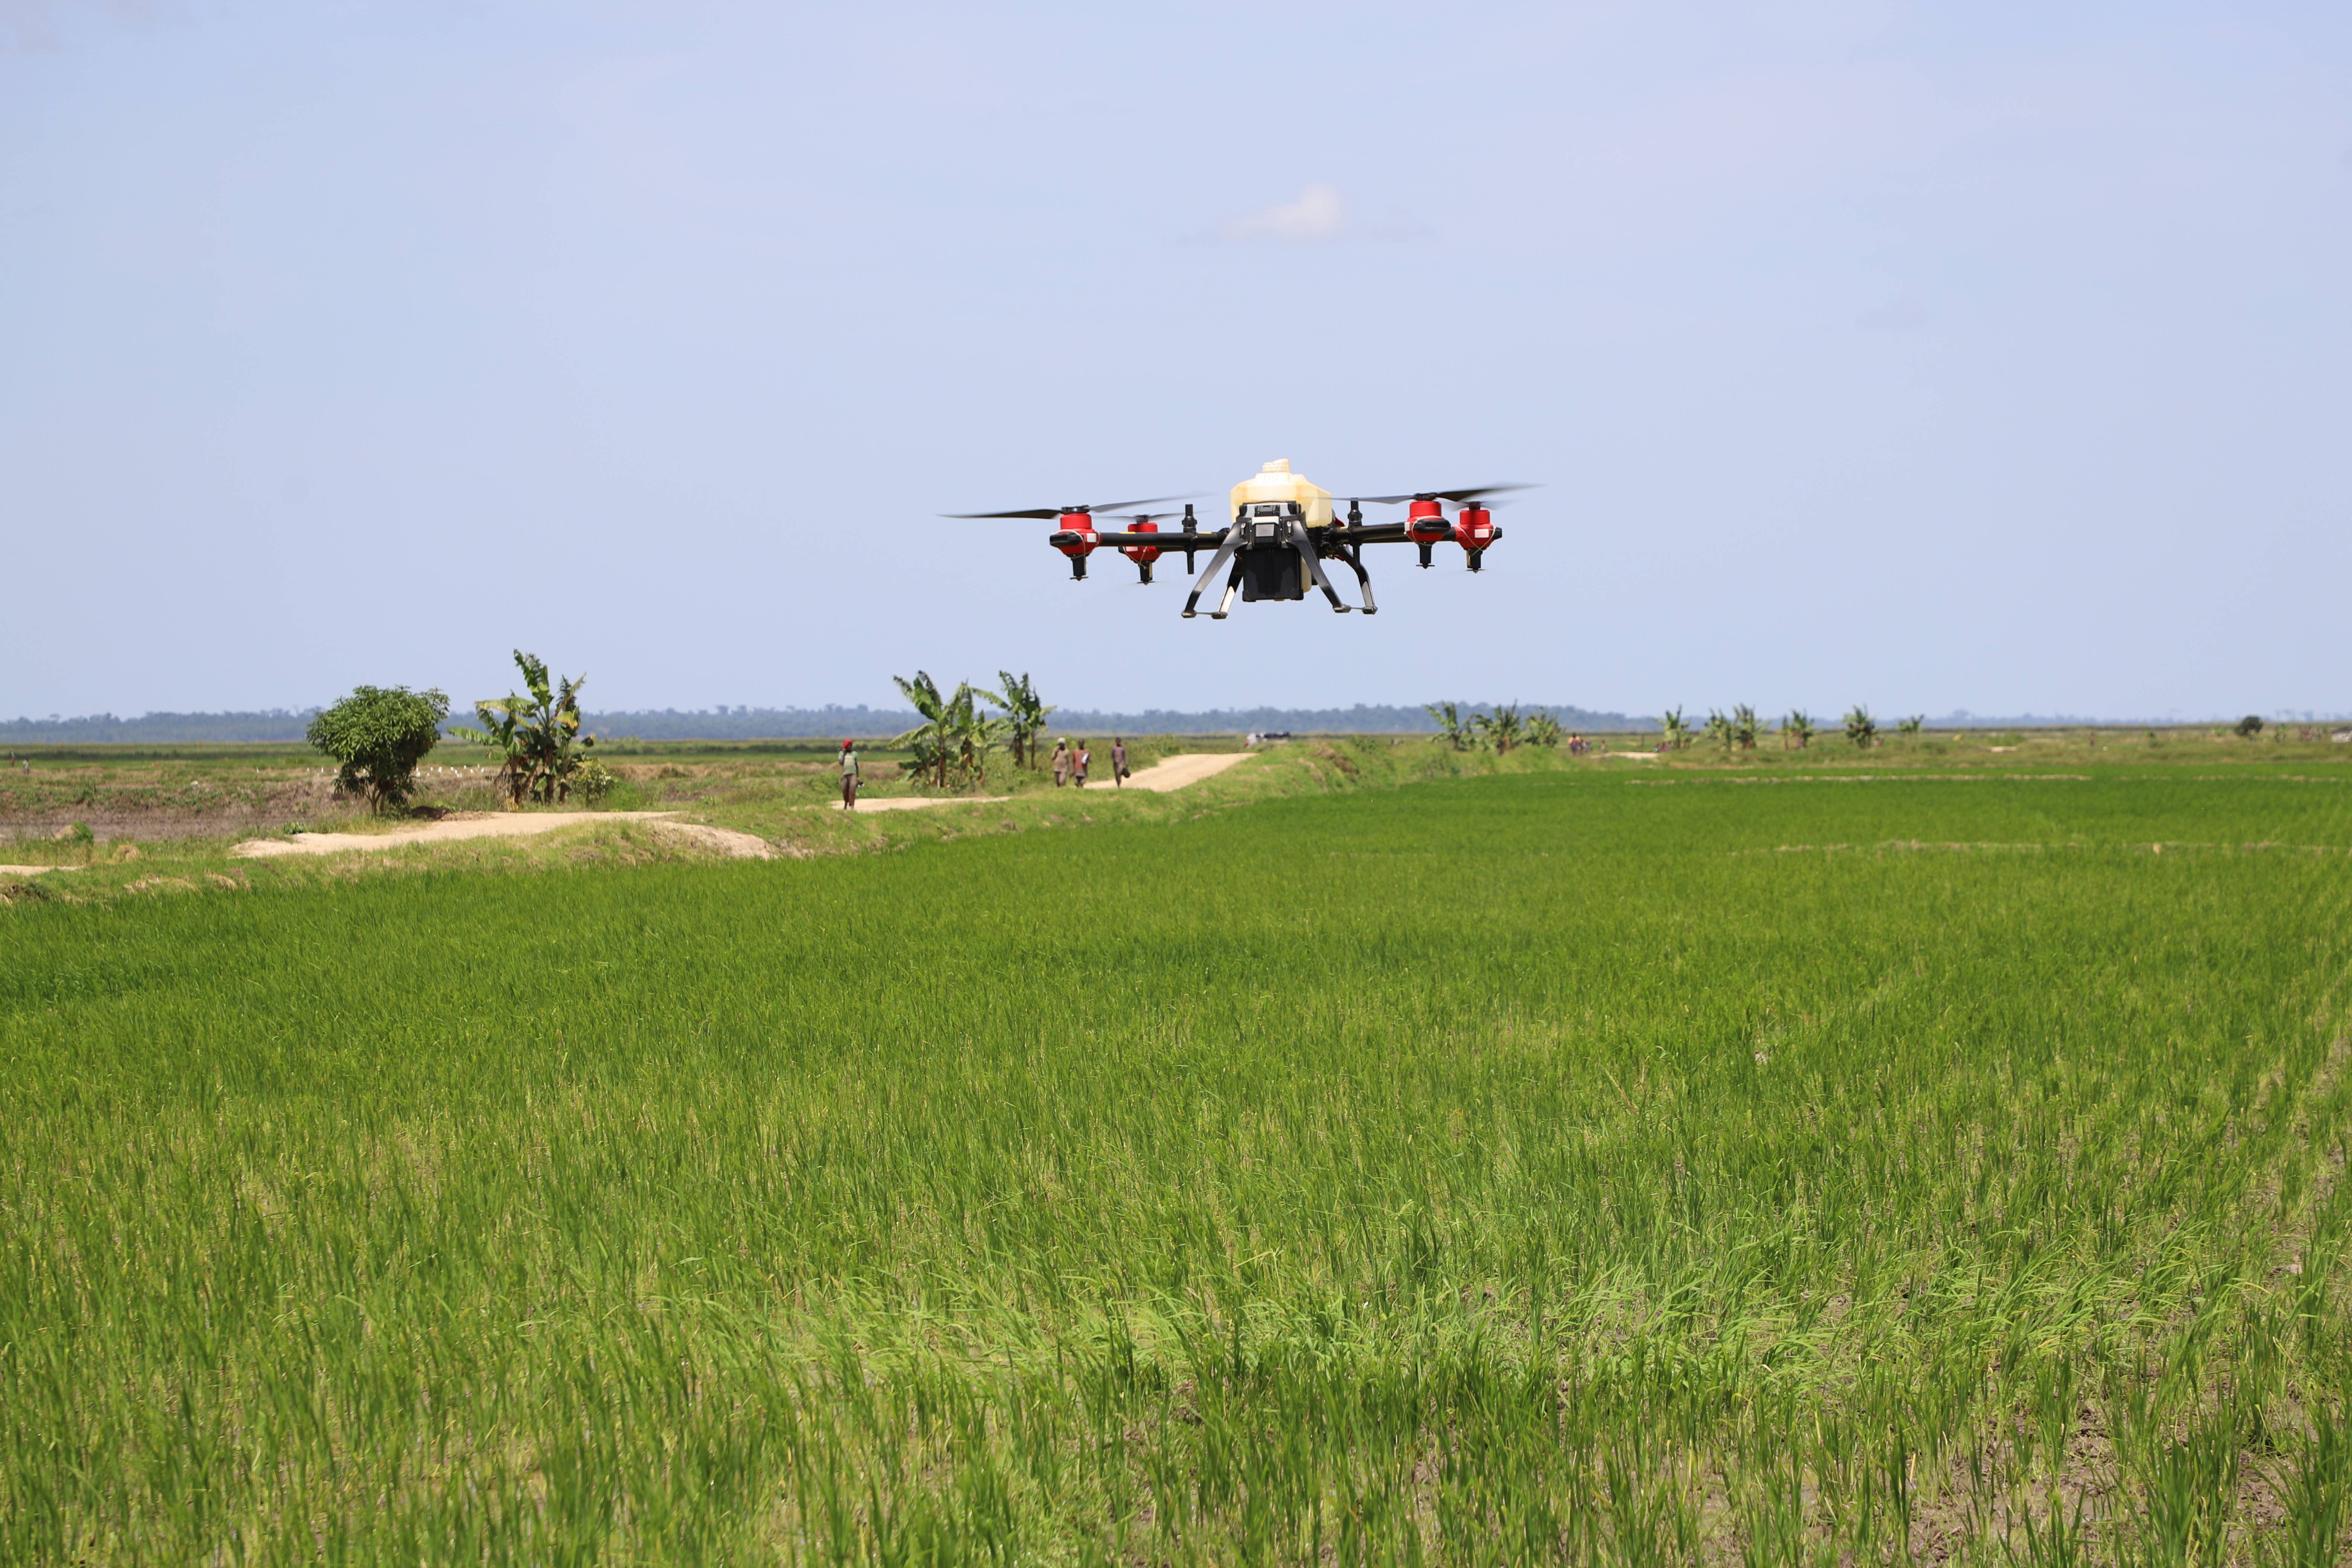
<point>1551,1167</point>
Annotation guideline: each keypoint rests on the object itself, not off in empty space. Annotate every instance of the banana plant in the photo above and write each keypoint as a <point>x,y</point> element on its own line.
<point>1910,726</point>
<point>1675,729</point>
<point>1798,726</point>
<point>1860,727</point>
<point>1543,730</point>
<point>537,737</point>
<point>1458,733</point>
<point>1024,715</point>
<point>1499,729</point>
<point>1744,726</point>
<point>974,733</point>
<point>932,742</point>
<point>953,733</point>
<point>1718,728</point>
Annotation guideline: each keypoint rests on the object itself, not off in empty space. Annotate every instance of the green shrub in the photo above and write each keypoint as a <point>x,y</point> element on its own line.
<point>594,781</point>
<point>377,735</point>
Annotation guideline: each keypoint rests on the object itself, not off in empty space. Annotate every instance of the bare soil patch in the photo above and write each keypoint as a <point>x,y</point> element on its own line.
<point>914,802</point>
<point>454,826</point>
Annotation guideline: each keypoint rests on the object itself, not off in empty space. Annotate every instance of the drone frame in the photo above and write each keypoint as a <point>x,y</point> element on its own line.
<point>1269,547</point>
<point>1270,550</point>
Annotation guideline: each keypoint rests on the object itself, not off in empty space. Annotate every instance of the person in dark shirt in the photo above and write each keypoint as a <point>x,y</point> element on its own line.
<point>1118,761</point>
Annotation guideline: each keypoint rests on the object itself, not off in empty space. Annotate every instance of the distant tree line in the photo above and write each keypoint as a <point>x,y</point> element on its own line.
<point>726,723</point>
<point>161,728</point>
<point>742,723</point>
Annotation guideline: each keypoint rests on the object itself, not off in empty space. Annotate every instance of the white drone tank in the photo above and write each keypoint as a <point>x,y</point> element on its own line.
<point>1275,483</point>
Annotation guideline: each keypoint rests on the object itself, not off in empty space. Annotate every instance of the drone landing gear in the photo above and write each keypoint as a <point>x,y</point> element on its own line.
<point>1305,548</point>
<point>1363,579</point>
<point>1216,565</point>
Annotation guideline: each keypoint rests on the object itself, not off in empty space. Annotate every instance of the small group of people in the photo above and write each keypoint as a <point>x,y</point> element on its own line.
<point>1071,766</point>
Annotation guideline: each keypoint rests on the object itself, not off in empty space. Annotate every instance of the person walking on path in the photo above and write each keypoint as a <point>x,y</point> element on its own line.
<point>1118,761</point>
<point>1084,760</point>
<point>1061,760</point>
<point>849,775</point>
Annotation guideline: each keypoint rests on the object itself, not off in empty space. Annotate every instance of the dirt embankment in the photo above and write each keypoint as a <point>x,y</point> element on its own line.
<point>37,807</point>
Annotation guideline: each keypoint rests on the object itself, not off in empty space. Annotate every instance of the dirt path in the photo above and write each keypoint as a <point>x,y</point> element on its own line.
<point>1186,768</point>
<point>28,870</point>
<point>462,824</point>
<point>1167,774</point>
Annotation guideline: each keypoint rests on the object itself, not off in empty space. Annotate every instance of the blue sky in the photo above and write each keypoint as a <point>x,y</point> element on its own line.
<point>1995,356</point>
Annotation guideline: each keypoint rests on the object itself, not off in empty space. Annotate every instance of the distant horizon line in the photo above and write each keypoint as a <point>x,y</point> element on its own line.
<point>728,721</point>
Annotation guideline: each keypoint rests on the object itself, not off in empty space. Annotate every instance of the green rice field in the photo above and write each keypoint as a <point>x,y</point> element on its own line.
<point>1694,1166</point>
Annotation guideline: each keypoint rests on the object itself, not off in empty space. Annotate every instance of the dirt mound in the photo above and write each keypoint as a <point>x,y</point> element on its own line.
<point>727,841</point>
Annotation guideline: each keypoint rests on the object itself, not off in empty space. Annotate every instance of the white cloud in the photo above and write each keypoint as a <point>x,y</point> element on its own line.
<point>1318,214</point>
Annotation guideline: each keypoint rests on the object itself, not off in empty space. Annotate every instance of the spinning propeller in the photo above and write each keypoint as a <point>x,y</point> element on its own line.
<point>1049,513</point>
<point>1077,536</point>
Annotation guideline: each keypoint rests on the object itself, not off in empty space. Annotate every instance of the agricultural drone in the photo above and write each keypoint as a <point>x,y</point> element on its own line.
<point>1283,529</point>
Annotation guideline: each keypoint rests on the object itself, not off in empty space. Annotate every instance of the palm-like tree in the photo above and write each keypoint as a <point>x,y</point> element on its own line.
<point>1458,734</point>
<point>1744,726</point>
<point>1718,728</point>
<point>1860,727</point>
<point>1543,730</point>
<point>1798,725</point>
<point>1675,728</point>
<point>932,742</point>
<point>1499,729</point>
<point>537,737</point>
<point>1025,714</point>
<point>953,732</point>
<point>1910,726</point>
<point>975,734</point>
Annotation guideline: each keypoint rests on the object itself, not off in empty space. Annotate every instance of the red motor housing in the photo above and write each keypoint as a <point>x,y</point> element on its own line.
<point>1476,530</point>
<point>1080,523</point>
<point>1142,554</point>
<point>1426,520</point>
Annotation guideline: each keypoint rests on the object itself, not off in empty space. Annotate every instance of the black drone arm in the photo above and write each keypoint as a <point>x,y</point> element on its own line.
<point>1391,533</point>
<point>1205,538</point>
